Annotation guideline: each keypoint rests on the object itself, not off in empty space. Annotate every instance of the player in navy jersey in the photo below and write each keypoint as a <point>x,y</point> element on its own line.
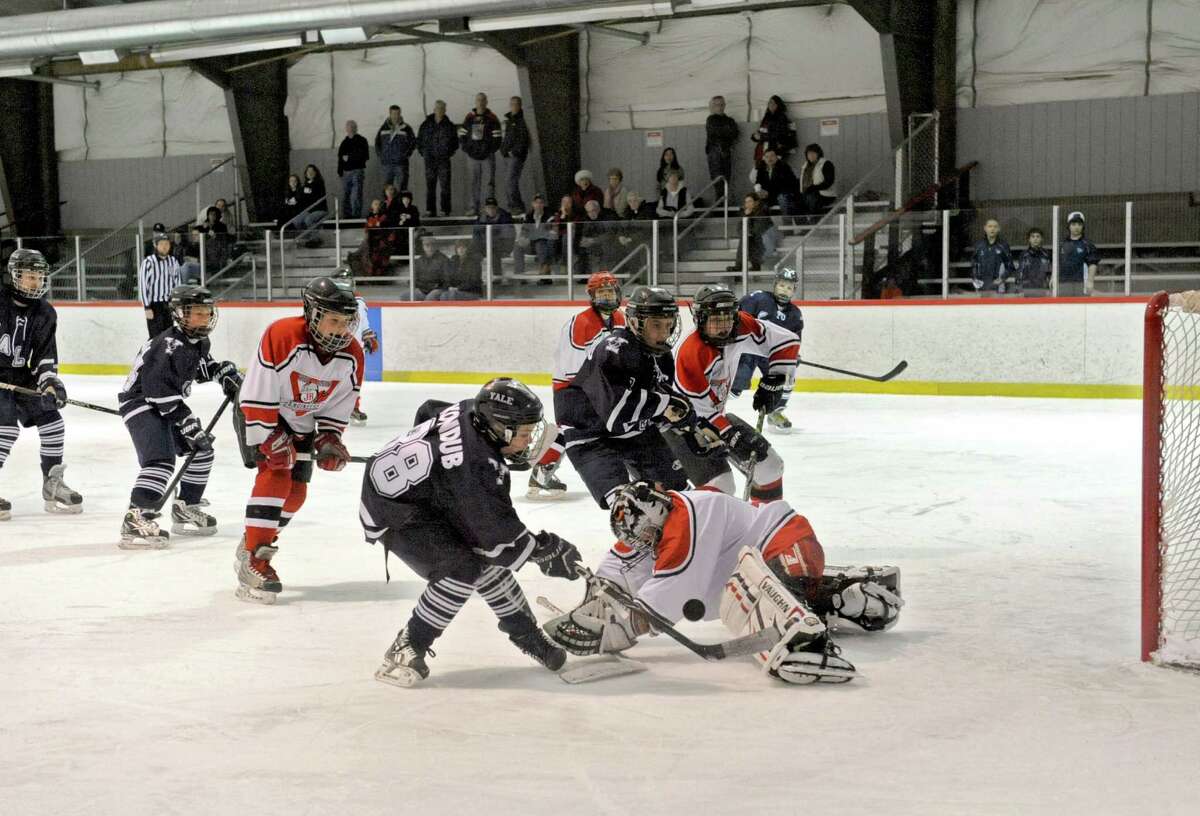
<point>774,307</point>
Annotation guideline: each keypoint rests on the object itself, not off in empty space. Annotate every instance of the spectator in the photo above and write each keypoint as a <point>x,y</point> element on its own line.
<point>504,235</point>
<point>1078,260</point>
<point>537,235</point>
<point>480,137</point>
<point>213,225</point>
<point>216,240</point>
<point>614,193</point>
<point>312,205</point>
<point>775,182</point>
<point>991,259</point>
<point>816,181</point>
<point>584,192</point>
<point>762,235</point>
<point>464,274</point>
<point>1034,266</point>
<point>379,239</point>
<point>666,163</point>
<point>597,243</point>
<point>352,162</point>
<point>437,141</point>
<point>429,271</point>
<point>567,213</point>
<point>291,202</point>
<point>638,208</point>
<point>158,276</point>
<point>405,214</point>
<point>890,291</point>
<point>674,197</point>
<point>394,143</point>
<point>720,134</point>
<point>391,204</point>
<point>634,225</point>
<point>775,130</point>
<point>515,148</point>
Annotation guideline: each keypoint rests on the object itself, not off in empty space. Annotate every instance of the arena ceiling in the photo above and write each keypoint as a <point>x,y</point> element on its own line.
<point>13,7</point>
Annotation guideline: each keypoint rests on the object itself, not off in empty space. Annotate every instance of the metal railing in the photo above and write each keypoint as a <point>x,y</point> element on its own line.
<point>697,218</point>
<point>633,253</point>
<point>252,273</point>
<point>283,238</point>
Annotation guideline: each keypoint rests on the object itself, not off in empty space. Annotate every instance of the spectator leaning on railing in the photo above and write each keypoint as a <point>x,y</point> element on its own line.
<point>158,276</point>
<point>991,260</point>
<point>480,137</point>
<point>1078,260</point>
<point>720,135</point>
<point>438,141</point>
<point>353,153</point>
<point>394,143</point>
<point>1034,266</point>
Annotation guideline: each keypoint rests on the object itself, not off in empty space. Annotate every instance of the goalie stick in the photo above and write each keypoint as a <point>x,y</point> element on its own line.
<point>900,366</point>
<point>29,392</point>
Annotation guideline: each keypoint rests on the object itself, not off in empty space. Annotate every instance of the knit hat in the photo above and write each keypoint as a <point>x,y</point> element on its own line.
<point>1075,216</point>
<point>583,174</point>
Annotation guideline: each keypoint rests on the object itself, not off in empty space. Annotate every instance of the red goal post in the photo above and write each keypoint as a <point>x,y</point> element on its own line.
<point>1171,481</point>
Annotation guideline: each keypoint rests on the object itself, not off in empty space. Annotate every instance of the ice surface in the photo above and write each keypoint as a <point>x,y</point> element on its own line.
<point>134,682</point>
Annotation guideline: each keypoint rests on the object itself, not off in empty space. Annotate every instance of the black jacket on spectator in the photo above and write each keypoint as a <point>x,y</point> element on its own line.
<point>645,212</point>
<point>516,136</point>
<point>1072,256</point>
<point>504,234</point>
<point>991,262</point>
<point>397,211</point>
<point>781,180</point>
<point>429,272</point>
<point>1033,268</point>
<point>394,144</point>
<point>437,141</point>
<point>776,130</point>
<point>720,132</point>
<point>291,205</point>
<point>480,134</point>
<point>311,191</point>
<point>465,273</point>
<point>353,154</point>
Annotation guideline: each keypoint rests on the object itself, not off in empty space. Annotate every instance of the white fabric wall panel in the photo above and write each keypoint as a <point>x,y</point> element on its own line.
<point>456,73</point>
<point>1175,48</point>
<point>196,116</point>
<point>366,83</point>
<point>309,102</point>
<point>68,122</point>
<point>125,117</point>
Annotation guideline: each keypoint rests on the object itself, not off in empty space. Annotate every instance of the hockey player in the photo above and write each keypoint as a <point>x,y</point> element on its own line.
<point>577,335</point>
<point>704,366</point>
<point>162,426</point>
<point>295,403</point>
<point>366,336</point>
<point>611,412</point>
<point>771,307</point>
<point>438,498</point>
<point>700,554</point>
<point>29,359</point>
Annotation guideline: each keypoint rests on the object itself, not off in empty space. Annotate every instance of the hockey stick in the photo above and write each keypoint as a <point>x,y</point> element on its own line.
<point>29,392</point>
<point>212,423</point>
<point>738,647</point>
<point>900,366</point>
<point>750,467</point>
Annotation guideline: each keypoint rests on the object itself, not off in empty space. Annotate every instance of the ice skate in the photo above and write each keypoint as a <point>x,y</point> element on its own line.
<point>403,662</point>
<point>191,520</point>
<point>5,510</point>
<point>58,497</point>
<point>778,422</point>
<point>139,531</point>
<point>816,661</point>
<point>533,641</point>
<point>357,417</point>
<point>257,580</point>
<point>544,484</point>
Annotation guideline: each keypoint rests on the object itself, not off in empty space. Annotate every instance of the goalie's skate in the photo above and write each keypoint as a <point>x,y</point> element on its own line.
<point>191,520</point>
<point>818,661</point>
<point>257,580</point>
<point>139,531</point>
<point>544,484</point>
<point>57,496</point>
<point>5,510</point>
<point>403,662</point>
<point>778,422</point>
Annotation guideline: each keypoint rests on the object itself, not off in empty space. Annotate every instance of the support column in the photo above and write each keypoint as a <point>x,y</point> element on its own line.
<point>28,160</point>
<point>255,98</point>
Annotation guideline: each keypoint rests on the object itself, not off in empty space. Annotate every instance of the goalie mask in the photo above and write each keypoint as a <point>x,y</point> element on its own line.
<point>331,313</point>
<point>27,275</point>
<point>637,513</point>
<point>714,311</point>
<point>502,408</point>
<point>194,310</point>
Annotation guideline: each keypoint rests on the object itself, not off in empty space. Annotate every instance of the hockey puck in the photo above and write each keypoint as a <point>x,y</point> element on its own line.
<point>693,610</point>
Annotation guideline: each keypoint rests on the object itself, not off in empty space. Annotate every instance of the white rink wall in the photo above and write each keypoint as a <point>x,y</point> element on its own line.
<point>1015,348</point>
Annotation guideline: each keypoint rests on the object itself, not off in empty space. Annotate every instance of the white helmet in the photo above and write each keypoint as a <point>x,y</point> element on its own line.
<point>637,513</point>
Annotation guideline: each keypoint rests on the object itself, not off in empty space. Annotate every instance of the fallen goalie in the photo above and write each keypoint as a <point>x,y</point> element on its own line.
<point>699,555</point>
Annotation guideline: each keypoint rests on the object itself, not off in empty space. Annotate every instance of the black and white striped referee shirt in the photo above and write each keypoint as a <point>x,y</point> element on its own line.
<point>157,277</point>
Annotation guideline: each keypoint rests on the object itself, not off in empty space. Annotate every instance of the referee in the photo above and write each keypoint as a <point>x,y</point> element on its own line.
<point>158,276</point>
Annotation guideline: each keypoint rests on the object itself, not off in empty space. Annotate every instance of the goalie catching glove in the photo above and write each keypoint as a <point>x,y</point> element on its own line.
<point>597,626</point>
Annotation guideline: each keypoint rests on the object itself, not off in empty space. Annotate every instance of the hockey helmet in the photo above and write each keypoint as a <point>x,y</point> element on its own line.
<point>158,238</point>
<point>323,296</point>
<point>716,300</point>
<point>637,514</point>
<point>785,285</point>
<point>503,406</point>
<point>648,302</point>
<point>185,298</point>
<point>344,276</point>
<point>604,290</point>
<point>27,275</point>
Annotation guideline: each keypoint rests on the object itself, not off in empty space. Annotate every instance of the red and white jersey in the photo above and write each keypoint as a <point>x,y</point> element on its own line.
<point>576,336</point>
<point>288,381</point>
<point>702,536</point>
<point>705,373</point>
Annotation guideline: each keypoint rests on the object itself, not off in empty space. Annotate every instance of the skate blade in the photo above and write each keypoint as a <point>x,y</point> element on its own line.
<point>800,674</point>
<point>358,423</point>
<point>601,667</point>
<point>184,529</point>
<point>398,676</point>
<point>541,494</point>
<point>151,543</point>
<point>252,595</point>
<point>5,515</point>
<point>63,509</point>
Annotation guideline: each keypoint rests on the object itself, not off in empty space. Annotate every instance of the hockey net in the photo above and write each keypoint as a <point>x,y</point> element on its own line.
<point>1171,481</point>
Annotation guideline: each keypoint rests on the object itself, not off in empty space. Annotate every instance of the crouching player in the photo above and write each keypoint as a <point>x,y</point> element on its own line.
<point>701,554</point>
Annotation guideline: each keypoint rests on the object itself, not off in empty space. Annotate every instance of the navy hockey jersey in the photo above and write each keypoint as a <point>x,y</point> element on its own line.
<point>763,305</point>
<point>28,348</point>
<point>444,471</point>
<point>162,375</point>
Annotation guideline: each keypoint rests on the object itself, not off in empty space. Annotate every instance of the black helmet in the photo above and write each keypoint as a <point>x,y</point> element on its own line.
<point>651,301</point>
<point>715,299</point>
<point>501,407</point>
<point>344,276</point>
<point>324,296</point>
<point>27,264</point>
<point>158,237</point>
<point>183,299</point>
<point>785,275</point>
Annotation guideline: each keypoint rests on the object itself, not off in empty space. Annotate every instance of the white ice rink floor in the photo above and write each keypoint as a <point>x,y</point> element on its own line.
<point>135,683</point>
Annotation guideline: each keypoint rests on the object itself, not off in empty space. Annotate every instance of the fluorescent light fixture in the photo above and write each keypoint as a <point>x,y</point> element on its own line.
<point>343,36</point>
<point>191,51</point>
<point>717,3</point>
<point>619,11</point>
<point>106,57</point>
<point>16,69</point>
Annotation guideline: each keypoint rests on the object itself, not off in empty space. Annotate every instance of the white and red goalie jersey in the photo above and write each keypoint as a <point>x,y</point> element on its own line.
<point>705,373</point>
<point>288,381</point>
<point>576,337</point>
<point>702,535</point>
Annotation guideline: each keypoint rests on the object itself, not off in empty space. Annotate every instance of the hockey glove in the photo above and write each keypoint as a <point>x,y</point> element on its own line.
<point>54,394</point>
<point>555,557</point>
<point>745,444</point>
<point>278,452</point>
<point>679,412</point>
<point>229,378</point>
<point>329,451</point>
<point>370,341</point>
<point>769,394</point>
<point>702,438</point>
<point>194,435</point>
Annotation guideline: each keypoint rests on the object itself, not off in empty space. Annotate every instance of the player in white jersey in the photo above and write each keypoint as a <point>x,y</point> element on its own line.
<point>294,404</point>
<point>364,334</point>
<point>702,554</point>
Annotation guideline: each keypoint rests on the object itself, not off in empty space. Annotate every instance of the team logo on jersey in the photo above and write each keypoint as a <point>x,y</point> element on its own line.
<point>11,344</point>
<point>172,344</point>
<point>614,343</point>
<point>308,393</point>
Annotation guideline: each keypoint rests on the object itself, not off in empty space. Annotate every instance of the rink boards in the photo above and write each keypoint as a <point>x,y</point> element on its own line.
<point>1068,347</point>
